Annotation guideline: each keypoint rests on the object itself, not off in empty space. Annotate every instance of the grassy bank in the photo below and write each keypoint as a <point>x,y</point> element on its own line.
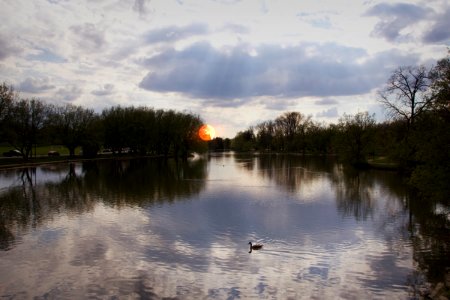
<point>382,162</point>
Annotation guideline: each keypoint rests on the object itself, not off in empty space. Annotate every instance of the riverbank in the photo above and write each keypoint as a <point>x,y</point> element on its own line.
<point>382,163</point>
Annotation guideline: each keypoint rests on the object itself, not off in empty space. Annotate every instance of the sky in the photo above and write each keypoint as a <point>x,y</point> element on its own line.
<point>235,63</point>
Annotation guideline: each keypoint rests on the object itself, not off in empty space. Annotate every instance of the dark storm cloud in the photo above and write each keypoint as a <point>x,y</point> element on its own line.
<point>201,71</point>
<point>175,33</point>
<point>33,85</point>
<point>440,30</point>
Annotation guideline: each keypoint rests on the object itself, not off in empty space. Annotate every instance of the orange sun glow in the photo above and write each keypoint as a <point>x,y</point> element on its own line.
<point>206,132</point>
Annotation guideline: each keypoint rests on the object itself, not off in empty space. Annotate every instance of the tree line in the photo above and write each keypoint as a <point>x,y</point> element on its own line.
<point>27,123</point>
<point>416,137</point>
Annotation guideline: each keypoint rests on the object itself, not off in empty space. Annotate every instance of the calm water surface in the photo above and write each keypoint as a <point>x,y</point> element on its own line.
<point>154,229</point>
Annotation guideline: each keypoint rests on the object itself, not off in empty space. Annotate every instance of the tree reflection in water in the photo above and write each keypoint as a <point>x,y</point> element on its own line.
<point>136,182</point>
<point>422,222</point>
<point>41,194</point>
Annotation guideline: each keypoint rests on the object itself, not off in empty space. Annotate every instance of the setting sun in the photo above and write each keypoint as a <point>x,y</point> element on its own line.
<point>206,132</point>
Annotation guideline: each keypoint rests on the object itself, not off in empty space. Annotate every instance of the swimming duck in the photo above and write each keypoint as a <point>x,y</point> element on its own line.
<point>254,247</point>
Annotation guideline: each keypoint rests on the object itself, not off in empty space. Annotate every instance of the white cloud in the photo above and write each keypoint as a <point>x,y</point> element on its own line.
<point>252,59</point>
<point>329,113</point>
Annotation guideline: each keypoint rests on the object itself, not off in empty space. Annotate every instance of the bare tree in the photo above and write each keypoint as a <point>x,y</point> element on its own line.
<point>405,94</point>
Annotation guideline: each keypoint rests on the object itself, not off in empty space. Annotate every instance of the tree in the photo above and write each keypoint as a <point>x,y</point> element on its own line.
<point>114,127</point>
<point>26,121</point>
<point>293,126</point>
<point>431,138</point>
<point>440,85</point>
<point>355,137</point>
<point>71,125</point>
<point>244,140</point>
<point>404,95</point>
<point>265,135</point>
<point>7,97</point>
<point>318,138</point>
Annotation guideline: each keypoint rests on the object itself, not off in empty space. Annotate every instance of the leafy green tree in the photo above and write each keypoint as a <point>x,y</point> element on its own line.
<point>354,141</point>
<point>7,97</point>
<point>319,138</point>
<point>293,126</point>
<point>185,134</point>
<point>431,138</point>
<point>72,124</point>
<point>265,136</point>
<point>114,126</point>
<point>145,130</point>
<point>432,171</point>
<point>26,121</point>
<point>440,86</point>
<point>244,141</point>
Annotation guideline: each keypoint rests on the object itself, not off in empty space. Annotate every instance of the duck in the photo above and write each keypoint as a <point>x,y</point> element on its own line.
<point>254,247</point>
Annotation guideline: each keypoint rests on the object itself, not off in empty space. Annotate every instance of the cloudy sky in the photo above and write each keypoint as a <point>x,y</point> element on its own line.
<point>233,62</point>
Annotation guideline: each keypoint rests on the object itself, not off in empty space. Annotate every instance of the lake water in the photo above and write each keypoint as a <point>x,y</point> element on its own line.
<point>160,229</point>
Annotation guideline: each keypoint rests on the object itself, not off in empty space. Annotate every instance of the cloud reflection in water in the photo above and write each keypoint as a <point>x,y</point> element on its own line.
<point>143,230</point>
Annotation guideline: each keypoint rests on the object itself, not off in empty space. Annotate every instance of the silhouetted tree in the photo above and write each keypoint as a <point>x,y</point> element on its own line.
<point>355,137</point>
<point>440,86</point>
<point>114,126</point>
<point>71,124</point>
<point>293,126</point>
<point>25,122</point>
<point>244,140</point>
<point>7,96</point>
<point>265,135</point>
<point>404,95</point>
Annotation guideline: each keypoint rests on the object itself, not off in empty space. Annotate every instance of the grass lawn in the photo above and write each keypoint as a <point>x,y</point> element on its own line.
<point>43,150</point>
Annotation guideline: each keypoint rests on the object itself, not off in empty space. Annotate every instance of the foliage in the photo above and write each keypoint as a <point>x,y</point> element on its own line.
<point>140,130</point>
<point>219,144</point>
<point>72,126</point>
<point>25,122</point>
<point>7,97</point>
<point>244,141</point>
<point>440,86</point>
<point>144,130</point>
<point>355,138</point>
